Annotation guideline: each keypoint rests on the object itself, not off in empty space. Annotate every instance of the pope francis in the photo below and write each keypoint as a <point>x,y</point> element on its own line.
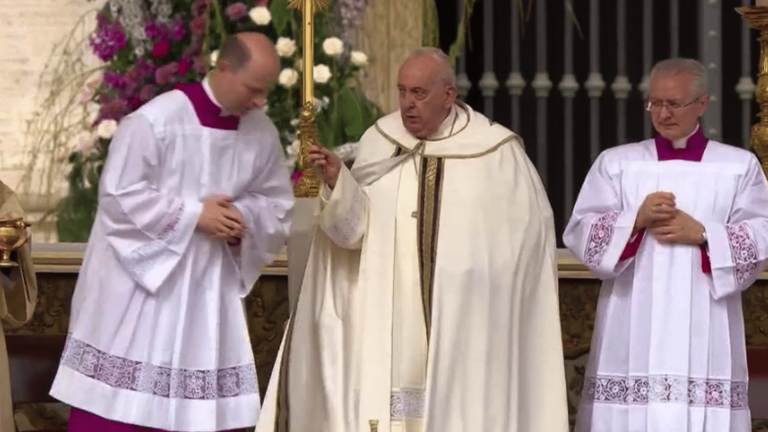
<point>429,301</point>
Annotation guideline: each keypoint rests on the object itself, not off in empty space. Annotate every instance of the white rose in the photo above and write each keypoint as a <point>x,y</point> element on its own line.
<point>260,15</point>
<point>321,74</point>
<point>359,58</point>
<point>285,47</point>
<point>106,129</point>
<point>85,141</point>
<point>214,56</point>
<point>333,46</point>
<point>288,77</point>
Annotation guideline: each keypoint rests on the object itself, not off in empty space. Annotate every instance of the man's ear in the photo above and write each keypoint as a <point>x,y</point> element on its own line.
<point>451,93</point>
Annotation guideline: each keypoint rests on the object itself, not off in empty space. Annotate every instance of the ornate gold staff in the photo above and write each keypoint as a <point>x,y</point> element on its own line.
<point>308,185</point>
<point>757,17</point>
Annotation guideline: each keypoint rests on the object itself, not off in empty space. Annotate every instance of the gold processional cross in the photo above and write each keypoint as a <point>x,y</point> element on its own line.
<point>308,185</point>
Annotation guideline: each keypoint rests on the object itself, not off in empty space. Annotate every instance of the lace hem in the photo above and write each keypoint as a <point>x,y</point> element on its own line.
<point>599,238</point>
<point>709,393</point>
<point>406,404</point>
<point>126,374</point>
<point>743,252</point>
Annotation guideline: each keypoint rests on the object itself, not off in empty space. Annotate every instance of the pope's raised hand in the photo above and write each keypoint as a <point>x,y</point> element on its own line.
<point>220,219</point>
<point>328,165</point>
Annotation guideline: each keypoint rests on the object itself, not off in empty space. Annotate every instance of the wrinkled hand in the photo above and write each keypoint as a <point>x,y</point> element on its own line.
<point>220,219</point>
<point>681,229</point>
<point>327,164</point>
<point>657,207</point>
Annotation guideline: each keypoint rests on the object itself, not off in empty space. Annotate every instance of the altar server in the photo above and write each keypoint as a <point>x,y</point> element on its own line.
<point>194,201</point>
<point>676,227</point>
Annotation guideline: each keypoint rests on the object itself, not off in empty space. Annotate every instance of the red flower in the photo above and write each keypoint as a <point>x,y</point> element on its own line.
<point>179,86</point>
<point>160,49</point>
<point>184,65</point>
<point>134,102</point>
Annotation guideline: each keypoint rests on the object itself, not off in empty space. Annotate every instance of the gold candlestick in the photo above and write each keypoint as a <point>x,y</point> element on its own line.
<point>757,18</point>
<point>374,424</point>
<point>308,185</point>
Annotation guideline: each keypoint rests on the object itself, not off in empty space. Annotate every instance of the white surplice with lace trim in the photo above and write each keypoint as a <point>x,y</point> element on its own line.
<point>358,350</point>
<point>158,336</point>
<point>668,350</point>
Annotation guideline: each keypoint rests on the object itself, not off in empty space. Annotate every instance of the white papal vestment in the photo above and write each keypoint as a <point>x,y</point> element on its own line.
<point>158,335</point>
<point>429,302</point>
<point>668,351</point>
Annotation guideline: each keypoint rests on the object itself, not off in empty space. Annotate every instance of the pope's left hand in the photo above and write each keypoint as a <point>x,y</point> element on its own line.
<point>681,229</point>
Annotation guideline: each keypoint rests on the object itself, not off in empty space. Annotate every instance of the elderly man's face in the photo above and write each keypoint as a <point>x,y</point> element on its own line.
<point>675,107</point>
<point>425,99</point>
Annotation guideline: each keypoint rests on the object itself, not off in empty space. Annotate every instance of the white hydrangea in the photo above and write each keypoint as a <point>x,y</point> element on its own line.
<point>288,77</point>
<point>321,73</point>
<point>285,47</point>
<point>333,46</point>
<point>260,15</point>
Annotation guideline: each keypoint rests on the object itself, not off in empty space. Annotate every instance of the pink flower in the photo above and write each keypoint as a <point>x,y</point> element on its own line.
<point>198,25</point>
<point>200,6</point>
<point>235,11</point>
<point>164,75</point>
<point>184,65</point>
<point>147,93</point>
<point>160,49</point>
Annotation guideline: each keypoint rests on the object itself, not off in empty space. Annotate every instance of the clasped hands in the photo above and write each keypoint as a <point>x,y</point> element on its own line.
<point>660,217</point>
<point>221,219</point>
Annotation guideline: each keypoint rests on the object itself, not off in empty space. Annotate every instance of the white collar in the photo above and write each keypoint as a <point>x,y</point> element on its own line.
<point>446,128</point>
<point>683,142</point>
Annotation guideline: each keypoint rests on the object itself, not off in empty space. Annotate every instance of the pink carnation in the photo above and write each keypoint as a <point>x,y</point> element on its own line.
<point>236,11</point>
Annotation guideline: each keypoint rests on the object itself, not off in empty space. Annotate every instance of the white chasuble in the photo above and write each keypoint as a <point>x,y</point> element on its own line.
<point>158,336</point>
<point>429,301</point>
<point>668,351</point>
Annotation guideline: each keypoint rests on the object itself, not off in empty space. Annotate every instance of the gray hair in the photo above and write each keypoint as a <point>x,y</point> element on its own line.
<point>674,66</point>
<point>447,74</point>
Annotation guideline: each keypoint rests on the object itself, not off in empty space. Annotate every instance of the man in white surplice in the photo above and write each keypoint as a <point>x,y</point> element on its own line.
<point>429,301</point>
<point>676,227</point>
<point>194,200</point>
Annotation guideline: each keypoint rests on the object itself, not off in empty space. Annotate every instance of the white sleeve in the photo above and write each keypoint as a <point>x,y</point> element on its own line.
<point>148,229</point>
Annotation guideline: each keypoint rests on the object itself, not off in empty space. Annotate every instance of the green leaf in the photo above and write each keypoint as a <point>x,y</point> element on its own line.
<point>281,15</point>
<point>354,114</point>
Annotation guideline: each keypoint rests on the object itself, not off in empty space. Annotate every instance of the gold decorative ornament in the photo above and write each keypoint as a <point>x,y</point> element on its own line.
<point>309,184</point>
<point>13,234</point>
<point>757,18</point>
<point>374,425</point>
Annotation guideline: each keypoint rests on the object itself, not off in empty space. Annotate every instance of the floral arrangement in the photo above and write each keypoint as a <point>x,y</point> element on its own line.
<point>152,46</point>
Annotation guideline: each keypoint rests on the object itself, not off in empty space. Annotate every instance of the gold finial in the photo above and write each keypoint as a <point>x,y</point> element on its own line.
<point>374,425</point>
<point>316,4</point>
<point>757,18</point>
<point>308,185</point>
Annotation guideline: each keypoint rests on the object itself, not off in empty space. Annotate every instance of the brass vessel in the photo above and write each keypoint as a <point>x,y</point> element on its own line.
<point>13,235</point>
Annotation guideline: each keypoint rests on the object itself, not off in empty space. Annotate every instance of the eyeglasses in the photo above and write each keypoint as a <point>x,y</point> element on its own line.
<point>657,105</point>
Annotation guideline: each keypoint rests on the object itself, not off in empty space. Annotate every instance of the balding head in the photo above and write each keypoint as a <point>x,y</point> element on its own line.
<point>427,87</point>
<point>246,68</point>
<point>438,59</point>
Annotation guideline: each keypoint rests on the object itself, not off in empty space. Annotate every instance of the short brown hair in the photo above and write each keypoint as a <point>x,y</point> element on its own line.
<point>234,52</point>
